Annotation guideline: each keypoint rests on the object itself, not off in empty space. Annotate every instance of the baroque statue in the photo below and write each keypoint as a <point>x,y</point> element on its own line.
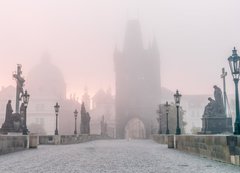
<point>215,107</point>
<point>14,121</point>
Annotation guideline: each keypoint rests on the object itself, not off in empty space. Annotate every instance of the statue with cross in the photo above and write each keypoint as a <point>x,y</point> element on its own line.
<point>19,89</point>
<point>215,119</point>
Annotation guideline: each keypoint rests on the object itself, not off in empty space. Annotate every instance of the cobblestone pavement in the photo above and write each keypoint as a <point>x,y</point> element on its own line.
<point>111,156</point>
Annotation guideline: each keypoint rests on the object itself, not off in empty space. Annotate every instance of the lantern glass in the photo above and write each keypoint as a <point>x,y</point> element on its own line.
<point>56,107</point>
<point>26,97</point>
<point>234,63</point>
<point>75,113</point>
<point>167,107</point>
<point>177,98</point>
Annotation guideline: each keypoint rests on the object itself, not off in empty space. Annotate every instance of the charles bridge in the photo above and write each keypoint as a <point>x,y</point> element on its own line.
<point>93,153</point>
<point>213,149</point>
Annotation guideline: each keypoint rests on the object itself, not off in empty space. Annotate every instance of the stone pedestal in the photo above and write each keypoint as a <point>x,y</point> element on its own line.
<point>13,124</point>
<point>215,125</point>
<point>170,141</point>
<point>235,160</point>
<point>33,141</point>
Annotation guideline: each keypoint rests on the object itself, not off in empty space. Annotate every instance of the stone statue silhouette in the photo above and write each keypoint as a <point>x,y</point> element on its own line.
<point>210,108</point>
<point>19,88</point>
<point>218,98</point>
<point>215,108</point>
<point>8,123</point>
<point>9,111</point>
<point>85,121</point>
<point>20,80</point>
<point>215,120</point>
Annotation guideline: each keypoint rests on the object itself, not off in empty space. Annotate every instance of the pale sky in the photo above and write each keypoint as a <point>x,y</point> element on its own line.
<point>195,38</point>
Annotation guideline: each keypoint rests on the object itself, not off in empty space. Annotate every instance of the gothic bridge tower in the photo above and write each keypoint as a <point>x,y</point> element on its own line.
<point>137,79</point>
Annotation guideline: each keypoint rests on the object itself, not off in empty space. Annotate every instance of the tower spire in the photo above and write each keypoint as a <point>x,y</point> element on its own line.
<point>133,36</point>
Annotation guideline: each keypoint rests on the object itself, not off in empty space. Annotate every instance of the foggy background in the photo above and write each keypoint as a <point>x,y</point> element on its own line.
<point>195,38</point>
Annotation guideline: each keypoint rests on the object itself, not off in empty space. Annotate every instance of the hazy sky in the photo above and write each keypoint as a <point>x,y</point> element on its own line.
<point>195,38</point>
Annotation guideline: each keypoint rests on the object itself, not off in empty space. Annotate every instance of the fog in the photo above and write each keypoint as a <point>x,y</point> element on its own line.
<point>76,71</point>
<point>195,38</point>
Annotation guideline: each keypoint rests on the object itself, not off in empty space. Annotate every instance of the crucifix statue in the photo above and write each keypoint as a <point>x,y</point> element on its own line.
<point>19,89</point>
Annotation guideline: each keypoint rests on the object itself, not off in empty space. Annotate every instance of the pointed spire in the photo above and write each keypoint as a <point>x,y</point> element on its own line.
<point>86,99</point>
<point>133,36</point>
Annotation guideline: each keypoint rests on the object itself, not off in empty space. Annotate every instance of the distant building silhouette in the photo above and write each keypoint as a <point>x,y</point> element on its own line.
<point>137,75</point>
<point>86,99</point>
<point>46,85</point>
<point>103,105</point>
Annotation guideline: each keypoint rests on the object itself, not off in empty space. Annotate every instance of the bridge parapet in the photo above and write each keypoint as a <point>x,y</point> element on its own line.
<point>225,148</point>
<point>12,143</point>
<point>161,139</point>
<point>68,139</point>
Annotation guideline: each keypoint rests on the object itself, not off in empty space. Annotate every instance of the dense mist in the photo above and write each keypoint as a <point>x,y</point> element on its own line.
<point>194,39</point>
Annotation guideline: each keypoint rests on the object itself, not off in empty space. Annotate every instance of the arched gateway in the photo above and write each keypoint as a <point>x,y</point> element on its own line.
<point>137,75</point>
<point>135,129</point>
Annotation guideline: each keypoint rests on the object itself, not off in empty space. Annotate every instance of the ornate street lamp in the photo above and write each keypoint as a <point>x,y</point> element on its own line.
<point>177,98</point>
<point>25,97</point>
<point>234,63</point>
<point>75,115</point>
<point>167,110</point>
<point>56,107</point>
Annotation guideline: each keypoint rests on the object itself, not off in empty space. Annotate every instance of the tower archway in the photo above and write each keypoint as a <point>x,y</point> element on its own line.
<point>135,129</point>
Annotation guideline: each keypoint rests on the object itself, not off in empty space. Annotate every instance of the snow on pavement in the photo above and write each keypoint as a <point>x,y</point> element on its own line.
<point>109,156</point>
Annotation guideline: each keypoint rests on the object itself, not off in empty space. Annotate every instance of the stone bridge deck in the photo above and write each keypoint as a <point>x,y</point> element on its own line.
<point>111,156</point>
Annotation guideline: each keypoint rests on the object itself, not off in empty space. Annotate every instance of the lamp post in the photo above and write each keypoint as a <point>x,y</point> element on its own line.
<point>75,115</point>
<point>159,120</point>
<point>167,110</point>
<point>56,107</point>
<point>25,97</point>
<point>177,98</point>
<point>234,63</point>
<point>22,112</point>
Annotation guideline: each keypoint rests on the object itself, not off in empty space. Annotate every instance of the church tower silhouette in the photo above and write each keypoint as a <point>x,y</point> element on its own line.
<point>137,80</point>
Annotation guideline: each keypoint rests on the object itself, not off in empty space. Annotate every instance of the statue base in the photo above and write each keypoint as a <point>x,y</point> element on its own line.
<point>12,125</point>
<point>216,125</point>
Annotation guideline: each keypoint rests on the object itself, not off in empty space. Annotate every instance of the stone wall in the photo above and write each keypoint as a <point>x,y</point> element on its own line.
<point>12,143</point>
<point>213,147</point>
<point>67,139</point>
<point>161,139</point>
<point>217,147</point>
<point>17,142</point>
<point>49,139</point>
